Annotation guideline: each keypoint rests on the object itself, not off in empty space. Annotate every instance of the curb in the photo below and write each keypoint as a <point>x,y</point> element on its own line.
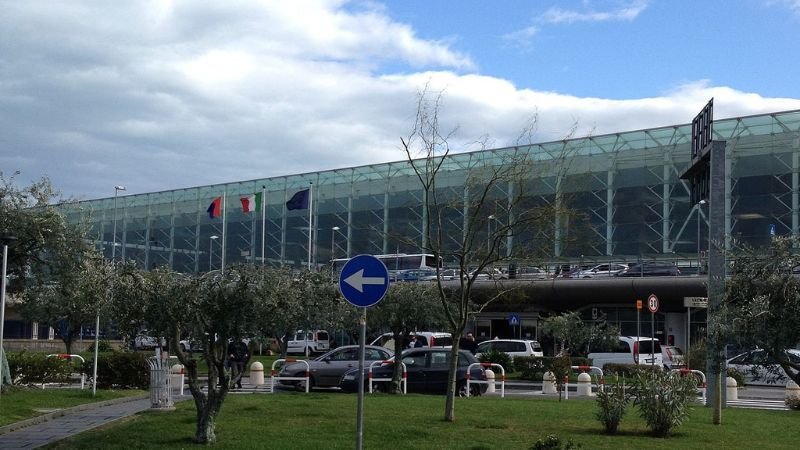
<point>56,414</point>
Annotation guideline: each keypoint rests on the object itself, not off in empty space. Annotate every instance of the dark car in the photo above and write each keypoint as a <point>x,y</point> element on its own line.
<point>327,370</point>
<point>650,269</point>
<point>427,370</point>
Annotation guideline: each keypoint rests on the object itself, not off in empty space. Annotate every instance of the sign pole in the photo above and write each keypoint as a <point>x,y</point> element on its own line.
<point>688,334</point>
<point>652,335</point>
<point>638,329</point>
<point>360,420</point>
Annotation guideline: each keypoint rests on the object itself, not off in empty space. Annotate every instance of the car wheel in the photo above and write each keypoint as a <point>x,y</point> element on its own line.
<point>301,385</point>
<point>461,389</point>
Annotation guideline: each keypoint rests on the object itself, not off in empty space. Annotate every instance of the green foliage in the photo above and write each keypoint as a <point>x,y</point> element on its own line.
<point>664,400</point>
<point>125,370</point>
<point>103,346</point>
<point>498,357</point>
<point>553,442</point>
<point>576,336</point>
<point>736,375</point>
<point>629,370</point>
<point>611,404</point>
<point>793,402</point>
<point>36,368</point>
<point>534,367</point>
<point>561,368</point>
<point>696,355</point>
<point>762,301</point>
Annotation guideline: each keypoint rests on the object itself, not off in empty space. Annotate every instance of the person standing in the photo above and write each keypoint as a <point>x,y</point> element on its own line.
<point>238,355</point>
<point>468,343</point>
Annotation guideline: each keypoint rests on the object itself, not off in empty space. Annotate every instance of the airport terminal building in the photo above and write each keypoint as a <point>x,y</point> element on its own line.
<point>626,185</point>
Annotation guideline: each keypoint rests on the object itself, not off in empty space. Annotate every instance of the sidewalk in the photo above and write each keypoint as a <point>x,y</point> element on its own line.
<point>49,428</point>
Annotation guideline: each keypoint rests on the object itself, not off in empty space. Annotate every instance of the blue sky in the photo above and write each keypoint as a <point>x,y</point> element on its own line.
<point>165,94</point>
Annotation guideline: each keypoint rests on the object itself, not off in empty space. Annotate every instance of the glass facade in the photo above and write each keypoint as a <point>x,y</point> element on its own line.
<point>626,186</point>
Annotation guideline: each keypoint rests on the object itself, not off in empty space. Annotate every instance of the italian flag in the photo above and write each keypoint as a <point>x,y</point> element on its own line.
<point>251,203</point>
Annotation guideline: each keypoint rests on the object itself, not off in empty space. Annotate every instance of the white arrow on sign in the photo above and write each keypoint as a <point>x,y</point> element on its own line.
<point>358,280</point>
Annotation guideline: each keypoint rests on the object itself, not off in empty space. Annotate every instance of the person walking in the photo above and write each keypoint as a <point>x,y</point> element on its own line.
<point>468,343</point>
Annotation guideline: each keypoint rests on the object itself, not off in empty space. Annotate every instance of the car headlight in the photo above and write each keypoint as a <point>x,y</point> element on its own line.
<point>349,377</point>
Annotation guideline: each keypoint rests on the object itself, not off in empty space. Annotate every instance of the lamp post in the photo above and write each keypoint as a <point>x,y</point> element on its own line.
<point>117,188</point>
<point>489,233</point>
<point>7,239</point>
<point>333,242</point>
<point>210,249</point>
<point>114,238</point>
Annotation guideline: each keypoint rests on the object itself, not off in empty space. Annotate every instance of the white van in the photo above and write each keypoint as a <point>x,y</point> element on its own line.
<point>313,341</point>
<point>630,350</point>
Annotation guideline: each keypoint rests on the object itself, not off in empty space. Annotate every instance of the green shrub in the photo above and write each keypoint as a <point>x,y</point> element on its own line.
<point>103,346</point>
<point>663,400</point>
<point>498,357</point>
<point>36,368</point>
<point>629,370</point>
<point>736,375</point>
<point>612,403</point>
<point>553,442</point>
<point>697,355</point>
<point>127,370</point>
<point>534,368</point>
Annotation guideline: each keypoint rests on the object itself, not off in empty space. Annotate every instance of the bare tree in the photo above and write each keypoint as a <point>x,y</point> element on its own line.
<point>489,195</point>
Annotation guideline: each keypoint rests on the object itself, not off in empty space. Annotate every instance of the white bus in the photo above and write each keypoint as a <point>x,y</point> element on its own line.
<point>397,263</point>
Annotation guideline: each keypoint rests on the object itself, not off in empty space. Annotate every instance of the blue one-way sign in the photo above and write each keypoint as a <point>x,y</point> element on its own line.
<point>364,280</point>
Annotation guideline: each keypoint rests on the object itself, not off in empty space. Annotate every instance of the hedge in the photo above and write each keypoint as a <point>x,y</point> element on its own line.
<point>124,370</point>
<point>534,367</point>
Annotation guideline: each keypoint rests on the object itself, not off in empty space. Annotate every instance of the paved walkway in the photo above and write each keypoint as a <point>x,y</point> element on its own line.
<point>55,426</point>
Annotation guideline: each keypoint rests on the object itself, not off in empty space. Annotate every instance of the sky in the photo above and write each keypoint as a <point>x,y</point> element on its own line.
<point>168,94</point>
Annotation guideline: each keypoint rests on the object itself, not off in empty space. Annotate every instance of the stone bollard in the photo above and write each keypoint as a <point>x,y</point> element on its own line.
<point>584,384</point>
<point>490,389</point>
<point>256,374</point>
<point>549,383</point>
<point>731,389</point>
<point>177,374</point>
<point>792,392</point>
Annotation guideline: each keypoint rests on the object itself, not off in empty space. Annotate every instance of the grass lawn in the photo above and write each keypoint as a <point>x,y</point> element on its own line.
<point>328,421</point>
<point>24,403</point>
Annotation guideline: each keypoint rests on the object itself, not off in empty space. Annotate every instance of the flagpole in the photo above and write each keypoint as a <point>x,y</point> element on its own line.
<point>310,218</point>
<point>263,222</point>
<point>224,236</point>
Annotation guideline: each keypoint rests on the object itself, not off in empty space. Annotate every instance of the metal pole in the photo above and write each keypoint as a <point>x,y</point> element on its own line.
<point>3,310</point>
<point>211,250</point>
<point>688,334</point>
<point>652,336</point>
<point>360,420</point>
<point>97,317</point>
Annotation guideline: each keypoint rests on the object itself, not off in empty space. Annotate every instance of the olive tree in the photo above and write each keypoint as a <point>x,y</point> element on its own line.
<point>762,303</point>
<point>405,308</point>
<point>576,336</point>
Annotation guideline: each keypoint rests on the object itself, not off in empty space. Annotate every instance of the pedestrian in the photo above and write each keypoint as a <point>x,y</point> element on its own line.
<point>468,343</point>
<point>414,342</point>
<point>238,355</point>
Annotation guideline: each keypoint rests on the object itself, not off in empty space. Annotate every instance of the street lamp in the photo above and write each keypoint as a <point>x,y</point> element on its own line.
<point>7,239</point>
<point>210,249</point>
<point>333,241</point>
<point>489,233</point>
<point>114,238</point>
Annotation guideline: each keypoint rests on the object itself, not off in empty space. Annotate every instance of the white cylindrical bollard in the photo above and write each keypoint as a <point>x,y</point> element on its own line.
<point>490,381</point>
<point>732,391</point>
<point>177,374</point>
<point>792,392</point>
<point>549,383</point>
<point>256,374</point>
<point>584,384</point>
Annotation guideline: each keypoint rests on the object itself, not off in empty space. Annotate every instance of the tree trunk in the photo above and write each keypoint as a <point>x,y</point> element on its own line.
<point>450,402</point>
<point>397,370</point>
<point>207,421</point>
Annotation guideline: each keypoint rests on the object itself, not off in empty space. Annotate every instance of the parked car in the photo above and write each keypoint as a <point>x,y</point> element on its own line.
<point>630,350</point>
<point>413,275</point>
<point>327,370</point>
<point>444,274</point>
<point>650,269</point>
<point>758,367</point>
<point>531,273</point>
<point>513,347</point>
<point>307,343</point>
<point>488,274</point>
<point>427,338</point>
<point>427,371</point>
<point>672,357</point>
<point>600,270</point>
<point>143,341</point>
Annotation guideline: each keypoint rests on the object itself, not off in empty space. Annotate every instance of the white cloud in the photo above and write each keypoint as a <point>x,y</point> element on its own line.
<point>522,38</point>
<point>627,12</point>
<point>191,94</point>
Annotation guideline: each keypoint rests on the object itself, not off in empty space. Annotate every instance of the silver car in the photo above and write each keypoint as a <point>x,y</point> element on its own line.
<point>600,270</point>
<point>758,367</point>
<point>327,370</point>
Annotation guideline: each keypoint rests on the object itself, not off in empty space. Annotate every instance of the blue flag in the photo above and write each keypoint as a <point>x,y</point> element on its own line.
<point>299,200</point>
